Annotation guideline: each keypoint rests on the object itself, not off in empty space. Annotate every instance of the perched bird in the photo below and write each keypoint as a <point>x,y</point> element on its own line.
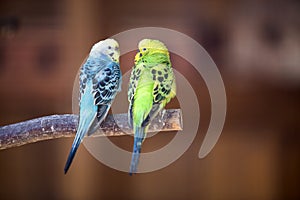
<point>151,87</point>
<point>100,80</point>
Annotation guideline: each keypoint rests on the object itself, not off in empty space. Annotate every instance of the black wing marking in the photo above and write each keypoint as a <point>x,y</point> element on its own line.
<point>106,84</point>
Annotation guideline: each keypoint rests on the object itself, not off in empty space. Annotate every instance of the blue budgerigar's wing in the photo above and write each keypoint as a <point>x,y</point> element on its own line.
<point>106,84</point>
<point>91,67</point>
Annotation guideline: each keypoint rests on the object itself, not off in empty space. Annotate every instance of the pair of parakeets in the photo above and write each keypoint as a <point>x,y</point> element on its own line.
<point>151,87</point>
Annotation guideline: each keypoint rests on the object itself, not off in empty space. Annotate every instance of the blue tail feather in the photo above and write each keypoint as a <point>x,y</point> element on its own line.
<point>74,148</point>
<point>83,128</point>
<point>138,140</point>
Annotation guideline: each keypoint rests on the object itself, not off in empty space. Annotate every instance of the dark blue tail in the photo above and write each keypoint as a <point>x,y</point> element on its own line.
<point>82,130</point>
<point>139,136</point>
<point>74,148</point>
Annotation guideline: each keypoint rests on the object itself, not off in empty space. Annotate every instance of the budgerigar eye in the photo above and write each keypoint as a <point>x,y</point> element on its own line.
<point>144,49</point>
<point>109,47</point>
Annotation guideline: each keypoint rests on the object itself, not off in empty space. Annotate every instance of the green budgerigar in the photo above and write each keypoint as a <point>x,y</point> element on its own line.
<point>151,87</point>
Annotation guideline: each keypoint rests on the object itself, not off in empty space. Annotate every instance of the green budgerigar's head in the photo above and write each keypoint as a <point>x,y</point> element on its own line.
<point>150,46</point>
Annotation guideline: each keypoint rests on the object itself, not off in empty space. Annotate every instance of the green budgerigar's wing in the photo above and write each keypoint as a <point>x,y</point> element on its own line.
<point>164,89</point>
<point>134,77</point>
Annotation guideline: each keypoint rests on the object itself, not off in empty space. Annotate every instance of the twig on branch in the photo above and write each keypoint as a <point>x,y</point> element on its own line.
<point>58,126</point>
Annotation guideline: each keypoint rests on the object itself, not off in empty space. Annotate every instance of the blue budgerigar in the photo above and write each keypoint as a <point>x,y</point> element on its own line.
<point>100,80</point>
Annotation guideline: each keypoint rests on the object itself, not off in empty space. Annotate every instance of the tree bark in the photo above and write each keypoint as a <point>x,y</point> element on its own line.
<point>58,126</point>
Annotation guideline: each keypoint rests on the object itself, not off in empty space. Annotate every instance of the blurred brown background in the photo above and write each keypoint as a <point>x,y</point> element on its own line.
<point>256,46</point>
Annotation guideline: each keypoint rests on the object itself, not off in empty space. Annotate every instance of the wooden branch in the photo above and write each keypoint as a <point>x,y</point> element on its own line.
<point>58,126</point>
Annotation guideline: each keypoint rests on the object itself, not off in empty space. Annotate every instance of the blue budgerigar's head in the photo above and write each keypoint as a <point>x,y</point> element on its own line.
<point>108,47</point>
